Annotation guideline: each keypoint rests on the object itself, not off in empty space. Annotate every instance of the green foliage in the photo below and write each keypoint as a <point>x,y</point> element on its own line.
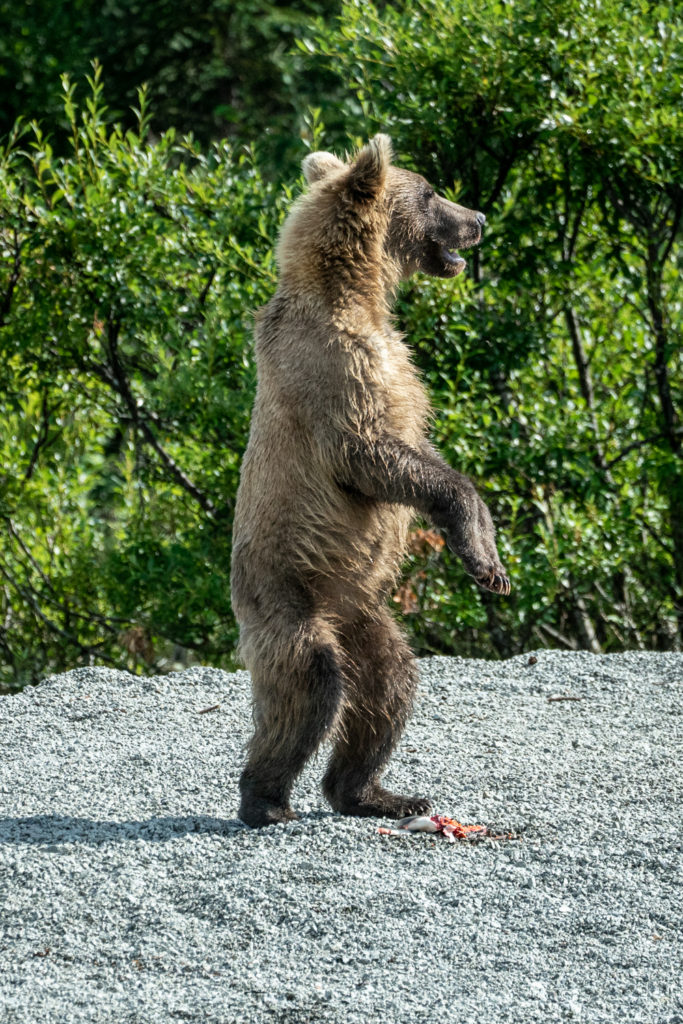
<point>556,366</point>
<point>128,274</point>
<point>130,265</point>
<point>218,68</point>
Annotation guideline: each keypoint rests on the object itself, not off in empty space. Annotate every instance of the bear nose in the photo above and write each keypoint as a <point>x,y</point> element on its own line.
<point>481,219</point>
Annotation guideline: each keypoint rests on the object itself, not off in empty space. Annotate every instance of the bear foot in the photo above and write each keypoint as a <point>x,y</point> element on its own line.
<point>256,812</point>
<point>377,802</point>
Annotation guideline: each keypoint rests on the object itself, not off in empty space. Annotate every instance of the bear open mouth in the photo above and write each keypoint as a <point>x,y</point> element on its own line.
<point>453,259</point>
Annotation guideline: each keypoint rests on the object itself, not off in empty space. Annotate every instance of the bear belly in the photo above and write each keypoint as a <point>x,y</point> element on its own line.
<point>361,561</point>
<point>339,554</point>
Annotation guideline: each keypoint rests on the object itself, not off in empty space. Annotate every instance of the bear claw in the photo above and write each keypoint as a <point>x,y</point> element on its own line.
<point>383,804</point>
<point>497,583</point>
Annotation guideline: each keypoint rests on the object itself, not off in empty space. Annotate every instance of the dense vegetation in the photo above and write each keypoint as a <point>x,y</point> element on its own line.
<point>131,259</point>
<point>214,67</point>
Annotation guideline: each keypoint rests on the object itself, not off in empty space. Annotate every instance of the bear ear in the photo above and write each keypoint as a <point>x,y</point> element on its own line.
<point>319,165</point>
<point>369,170</point>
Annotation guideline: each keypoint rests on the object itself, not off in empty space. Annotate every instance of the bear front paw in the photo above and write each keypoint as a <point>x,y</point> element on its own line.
<point>489,576</point>
<point>484,567</point>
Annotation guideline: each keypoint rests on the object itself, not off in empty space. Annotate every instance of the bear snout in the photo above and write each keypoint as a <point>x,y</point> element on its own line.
<point>456,226</point>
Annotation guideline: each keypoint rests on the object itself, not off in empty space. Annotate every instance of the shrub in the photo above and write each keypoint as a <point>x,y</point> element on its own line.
<point>129,270</point>
<point>554,364</point>
<point>130,266</point>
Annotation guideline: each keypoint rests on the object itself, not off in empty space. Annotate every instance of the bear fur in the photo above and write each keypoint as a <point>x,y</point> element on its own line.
<point>337,465</point>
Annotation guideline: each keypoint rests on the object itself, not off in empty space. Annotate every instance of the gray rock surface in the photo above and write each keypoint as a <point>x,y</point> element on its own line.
<point>131,894</point>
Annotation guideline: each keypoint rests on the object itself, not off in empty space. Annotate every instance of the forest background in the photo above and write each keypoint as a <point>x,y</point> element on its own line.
<point>137,224</point>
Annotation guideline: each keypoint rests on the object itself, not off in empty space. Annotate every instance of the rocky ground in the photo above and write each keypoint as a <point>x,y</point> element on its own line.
<point>130,891</point>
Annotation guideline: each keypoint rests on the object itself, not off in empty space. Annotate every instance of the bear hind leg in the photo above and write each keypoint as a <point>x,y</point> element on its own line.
<point>382,683</point>
<point>297,691</point>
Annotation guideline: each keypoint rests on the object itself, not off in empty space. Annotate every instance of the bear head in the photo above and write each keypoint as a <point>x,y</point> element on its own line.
<point>370,198</point>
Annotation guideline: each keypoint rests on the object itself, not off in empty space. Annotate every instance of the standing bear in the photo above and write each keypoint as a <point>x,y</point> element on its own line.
<point>337,465</point>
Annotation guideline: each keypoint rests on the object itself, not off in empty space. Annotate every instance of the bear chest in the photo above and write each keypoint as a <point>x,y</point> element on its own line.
<point>403,395</point>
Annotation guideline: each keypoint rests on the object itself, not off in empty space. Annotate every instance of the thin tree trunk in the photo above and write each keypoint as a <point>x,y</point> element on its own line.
<point>586,386</point>
<point>672,482</point>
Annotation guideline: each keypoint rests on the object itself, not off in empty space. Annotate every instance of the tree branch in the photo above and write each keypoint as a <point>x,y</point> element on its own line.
<point>30,598</point>
<point>12,282</point>
<point>654,300</point>
<point>544,627</point>
<point>140,416</point>
<point>637,444</point>
<point>43,440</point>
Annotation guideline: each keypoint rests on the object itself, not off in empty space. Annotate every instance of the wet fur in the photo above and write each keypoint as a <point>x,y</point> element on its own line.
<point>336,465</point>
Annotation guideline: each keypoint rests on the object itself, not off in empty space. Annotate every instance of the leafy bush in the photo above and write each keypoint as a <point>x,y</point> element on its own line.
<point>215,67</point>
<point>555,365</point>
<point>129,269</point>
<point>128,275</point>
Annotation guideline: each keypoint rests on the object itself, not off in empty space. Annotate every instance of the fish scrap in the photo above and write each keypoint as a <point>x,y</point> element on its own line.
<point>449,828</point>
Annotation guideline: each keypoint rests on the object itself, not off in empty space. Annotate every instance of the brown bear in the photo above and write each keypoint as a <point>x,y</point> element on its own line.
<point>338,462</point>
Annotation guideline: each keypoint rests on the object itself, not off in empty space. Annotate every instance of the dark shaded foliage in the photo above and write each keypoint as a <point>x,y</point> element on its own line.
<point>216,68</point>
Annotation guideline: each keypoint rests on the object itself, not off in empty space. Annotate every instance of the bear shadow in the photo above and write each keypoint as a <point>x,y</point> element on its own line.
<point>53,830</point>
<point>49,829</point>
